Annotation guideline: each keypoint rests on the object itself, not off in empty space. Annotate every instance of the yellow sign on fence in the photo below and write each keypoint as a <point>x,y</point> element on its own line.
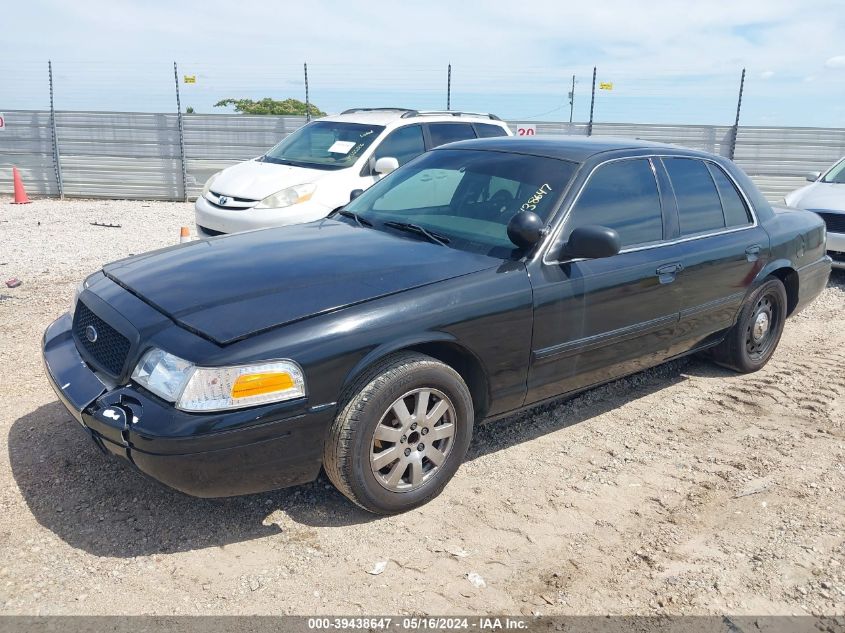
<point>190,79</point>
<point>606,85</point>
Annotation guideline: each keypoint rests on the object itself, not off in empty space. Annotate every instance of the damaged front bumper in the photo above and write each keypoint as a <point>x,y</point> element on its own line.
<point>206,455</point>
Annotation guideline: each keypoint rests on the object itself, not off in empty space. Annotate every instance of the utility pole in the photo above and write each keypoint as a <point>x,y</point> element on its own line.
<point>57,159</point>
<point>181,135</point>
<point>572,100</point>
<point>592,105</point>
<point>307,101</point>
<point>449,88</point>
<point>736,122</point>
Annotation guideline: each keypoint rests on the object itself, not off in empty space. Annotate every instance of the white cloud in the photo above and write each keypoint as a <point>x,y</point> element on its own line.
<point>767,74</point>
<point>835,62</point>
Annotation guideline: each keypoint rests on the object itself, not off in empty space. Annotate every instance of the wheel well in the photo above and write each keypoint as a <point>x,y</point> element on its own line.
<point>467,365</point>
<point>789,278</point>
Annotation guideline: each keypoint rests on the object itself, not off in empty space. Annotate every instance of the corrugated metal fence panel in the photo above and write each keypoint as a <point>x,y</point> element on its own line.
<point>715,139</point>
<point>26,144</point>
<point>215,141</point>
<point>120,155</point>
<point>778,159</point>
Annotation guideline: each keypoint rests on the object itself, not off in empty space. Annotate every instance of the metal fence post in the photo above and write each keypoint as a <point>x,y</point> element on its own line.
<point>181,135</point>
<point>736,122</point>
<point>449,88</point>
<point>57,159</point>
<point>307,99</point>
<point>592,104</point>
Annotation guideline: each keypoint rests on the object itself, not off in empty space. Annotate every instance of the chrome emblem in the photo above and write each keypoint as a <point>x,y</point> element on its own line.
<point>223,199</point>
<point>91,334</point>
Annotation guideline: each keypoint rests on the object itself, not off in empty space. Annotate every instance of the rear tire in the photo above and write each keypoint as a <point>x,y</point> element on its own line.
<point>402,432</point>
<point>752,341</point>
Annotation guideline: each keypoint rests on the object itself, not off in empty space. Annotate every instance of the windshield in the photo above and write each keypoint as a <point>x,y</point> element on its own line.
<point>466,196</point>
<point>324,145</point>
<point>836,173</point>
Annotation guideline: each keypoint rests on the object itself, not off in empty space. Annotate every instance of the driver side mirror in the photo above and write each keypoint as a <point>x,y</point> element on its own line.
<point>354,194</point>
<point>591,242</point>
<point>813,176</point>
<point>385,165</point>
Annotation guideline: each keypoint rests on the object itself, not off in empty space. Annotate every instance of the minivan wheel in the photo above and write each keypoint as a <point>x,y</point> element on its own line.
<point>401,434</point>
<point>752,341</point>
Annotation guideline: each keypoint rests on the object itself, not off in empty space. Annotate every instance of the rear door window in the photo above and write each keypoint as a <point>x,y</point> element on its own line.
<point>485,130</point>
<point>623,196</point>
<point>736,213</point>
<point>699,206</point>
<point>442,133</point>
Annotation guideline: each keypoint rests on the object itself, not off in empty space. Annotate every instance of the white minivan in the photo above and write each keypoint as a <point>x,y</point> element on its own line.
<point>315,169</point>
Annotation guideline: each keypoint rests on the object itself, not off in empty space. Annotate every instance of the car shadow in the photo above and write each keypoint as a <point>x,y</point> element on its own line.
<point>100,504</point>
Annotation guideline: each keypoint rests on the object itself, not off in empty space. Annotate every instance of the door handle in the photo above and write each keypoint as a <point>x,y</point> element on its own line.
<point>666,273</point>
<point>752,253</point>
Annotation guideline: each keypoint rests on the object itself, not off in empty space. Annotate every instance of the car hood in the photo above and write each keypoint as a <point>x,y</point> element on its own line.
<point>230,287</point>
<point>255,179</point>
<point>819,196</point>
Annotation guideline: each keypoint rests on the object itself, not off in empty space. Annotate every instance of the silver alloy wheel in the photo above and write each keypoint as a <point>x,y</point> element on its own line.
<point>412,439</point>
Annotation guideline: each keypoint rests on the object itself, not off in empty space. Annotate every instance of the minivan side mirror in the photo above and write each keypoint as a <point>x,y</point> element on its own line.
<point>354,194</point>
<point>385,165</point>
<point>813,176</point>
<point>591,242</point>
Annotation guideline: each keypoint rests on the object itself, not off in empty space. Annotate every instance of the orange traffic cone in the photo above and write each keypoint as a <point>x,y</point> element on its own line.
<point>20,192</point>
<point>184,235</point>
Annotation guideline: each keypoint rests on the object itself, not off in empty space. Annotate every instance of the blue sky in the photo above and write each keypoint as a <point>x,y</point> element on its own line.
<point>669,61</point>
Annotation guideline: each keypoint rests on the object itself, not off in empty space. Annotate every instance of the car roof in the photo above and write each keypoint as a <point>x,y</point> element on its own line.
<point>563,147</point>
<point>386,116</point>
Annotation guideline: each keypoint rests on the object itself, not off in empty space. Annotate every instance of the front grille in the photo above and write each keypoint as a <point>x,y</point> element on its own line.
<point>233,203</point>
<point>109,349</point>
<point>835,221</point>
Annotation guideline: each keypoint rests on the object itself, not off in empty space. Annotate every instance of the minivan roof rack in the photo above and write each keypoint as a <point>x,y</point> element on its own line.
<point>353,110</point>
<point>413,113</point>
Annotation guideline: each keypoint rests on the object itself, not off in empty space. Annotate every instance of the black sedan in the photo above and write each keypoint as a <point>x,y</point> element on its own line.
<point>479,279</point>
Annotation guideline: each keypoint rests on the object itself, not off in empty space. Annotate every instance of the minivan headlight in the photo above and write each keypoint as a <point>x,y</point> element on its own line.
<point>194,388</point>
<point>207,187</point>
<point>288,197</point>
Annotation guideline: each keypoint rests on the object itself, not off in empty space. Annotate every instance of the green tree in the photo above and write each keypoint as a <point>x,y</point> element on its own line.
<point>270,106</point>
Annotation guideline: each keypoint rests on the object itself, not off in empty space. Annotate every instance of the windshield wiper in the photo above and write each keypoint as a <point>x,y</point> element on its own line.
<point>351,214</point>
<point>419,230</point>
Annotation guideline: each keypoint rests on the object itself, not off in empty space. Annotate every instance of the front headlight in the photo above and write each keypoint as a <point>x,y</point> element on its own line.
<point>195,388</point>
<point>288,197</point>
<point>209,182</point>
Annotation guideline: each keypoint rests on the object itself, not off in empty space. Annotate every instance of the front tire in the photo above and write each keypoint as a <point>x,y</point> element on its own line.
<point>753,339</point>
<point>402,432</point>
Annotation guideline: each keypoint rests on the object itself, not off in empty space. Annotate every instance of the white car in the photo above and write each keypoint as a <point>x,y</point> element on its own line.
<point>826,197</point>
<point>314,170</point>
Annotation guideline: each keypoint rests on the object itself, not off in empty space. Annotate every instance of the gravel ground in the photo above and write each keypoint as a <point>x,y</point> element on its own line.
<point>683,489</point>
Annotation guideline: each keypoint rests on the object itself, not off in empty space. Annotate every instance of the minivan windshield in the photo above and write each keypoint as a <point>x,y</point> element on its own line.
<point>836,173</point>
<point>464,198</point>
<point>324,145</point>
